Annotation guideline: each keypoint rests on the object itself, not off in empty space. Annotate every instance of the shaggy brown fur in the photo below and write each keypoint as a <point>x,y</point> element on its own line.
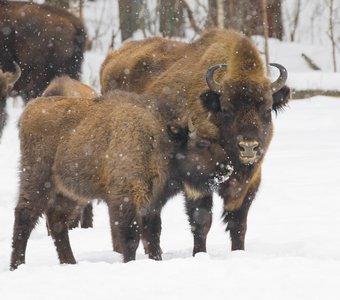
<point>74,150</point>
<point>148,57</point>
<point>54,37</point>
<point>68,87</point>
<point>238,112</point>
<point>7,81</point>
<point>180,69</point>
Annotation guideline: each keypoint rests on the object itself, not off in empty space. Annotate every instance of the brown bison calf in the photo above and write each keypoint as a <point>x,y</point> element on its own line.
<point>74,150</point>
<point>68,87</point>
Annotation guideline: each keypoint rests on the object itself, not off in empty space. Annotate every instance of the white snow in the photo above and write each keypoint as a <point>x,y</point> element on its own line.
<point>293,240</point>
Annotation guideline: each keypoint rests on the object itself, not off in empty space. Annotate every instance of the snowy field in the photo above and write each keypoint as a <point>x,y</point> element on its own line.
<point>292,246</point>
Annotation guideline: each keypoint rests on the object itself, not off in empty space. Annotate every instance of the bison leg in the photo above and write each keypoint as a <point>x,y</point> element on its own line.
<point>200,218</point>
<point>151,220</point>
<point>74,221</point>
<point>87,217</point>
<point>26,216</point>
<point>237,224</point>
<point>83,215</point>
<point>116,240</point>
<point>151,232</point>
<point>57,217</point>
<point>125,228</point>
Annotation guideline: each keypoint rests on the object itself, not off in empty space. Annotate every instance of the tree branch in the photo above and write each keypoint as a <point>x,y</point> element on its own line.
<point>191,17</point>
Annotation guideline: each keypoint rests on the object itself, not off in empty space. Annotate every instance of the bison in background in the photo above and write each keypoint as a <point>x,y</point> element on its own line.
<point>45,41</point>
<point>68,87</point>
<point>220,81</point>
<point>7,81</point>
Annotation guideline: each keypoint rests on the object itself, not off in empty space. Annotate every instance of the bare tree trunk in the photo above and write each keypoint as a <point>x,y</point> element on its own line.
<point>212,13</point>
<point>190,14</point>
<point>296,20</point>
<point>171,18</point>
<point>131,16</point>
<point>247,16</point>
<point>274,12</point>
<point>331,32</point>
<point>265,33</point>
<point>220,13</point>
<point>235,12</point>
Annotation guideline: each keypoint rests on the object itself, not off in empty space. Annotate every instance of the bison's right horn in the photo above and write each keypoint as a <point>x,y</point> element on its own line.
<point>281,81</point>
<point>13,77</point>
<point>209,77</point>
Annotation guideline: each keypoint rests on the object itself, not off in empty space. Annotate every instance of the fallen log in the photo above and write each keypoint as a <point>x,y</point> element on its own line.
<point>302,94</point>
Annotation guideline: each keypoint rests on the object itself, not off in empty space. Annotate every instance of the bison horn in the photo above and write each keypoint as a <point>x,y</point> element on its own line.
<point>13,77</point>
<point>192,129</point>
<point>209,77</point>
<point>280,82</point>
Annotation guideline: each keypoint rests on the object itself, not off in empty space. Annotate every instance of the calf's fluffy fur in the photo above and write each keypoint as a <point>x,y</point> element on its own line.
<point>74,150</point>
<point>68,87</point>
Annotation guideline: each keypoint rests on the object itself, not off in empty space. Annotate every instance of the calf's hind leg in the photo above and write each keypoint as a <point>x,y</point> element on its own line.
<point>151,232</point>
<point>86,220</point>
<point>27,212</point>
<point>57,219</point>
<point>125,228</point>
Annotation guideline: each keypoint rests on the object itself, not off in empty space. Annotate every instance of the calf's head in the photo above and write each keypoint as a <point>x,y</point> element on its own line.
<point>242,108</point>
<point>199,163</point>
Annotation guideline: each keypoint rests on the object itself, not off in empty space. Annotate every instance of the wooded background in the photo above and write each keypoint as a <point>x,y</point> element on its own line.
<point>243,15</point>
<point>306,21</point>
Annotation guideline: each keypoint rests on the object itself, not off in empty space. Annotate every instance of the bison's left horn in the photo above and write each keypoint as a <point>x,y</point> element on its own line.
<point>209,77</point>
<point>281,81</point>
<point>13,77</point>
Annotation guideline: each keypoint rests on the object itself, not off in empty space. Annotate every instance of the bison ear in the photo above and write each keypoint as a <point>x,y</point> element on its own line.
<point>211,101</point>
<point>178,133</point>
<point>280,98</point>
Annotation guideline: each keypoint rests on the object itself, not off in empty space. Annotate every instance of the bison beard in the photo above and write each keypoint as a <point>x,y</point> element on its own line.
<point>220,81</point>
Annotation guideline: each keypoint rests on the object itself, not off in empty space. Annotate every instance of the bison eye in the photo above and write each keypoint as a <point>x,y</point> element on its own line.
<point>203,144</point>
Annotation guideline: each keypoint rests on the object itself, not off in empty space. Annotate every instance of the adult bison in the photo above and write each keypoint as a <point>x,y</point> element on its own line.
<point>45,41</point>
<point>7,81</point>
<point>220,81</point>
<point>74,150</point>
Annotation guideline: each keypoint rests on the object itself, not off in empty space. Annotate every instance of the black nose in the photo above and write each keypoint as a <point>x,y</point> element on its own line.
<point>248,148</point>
